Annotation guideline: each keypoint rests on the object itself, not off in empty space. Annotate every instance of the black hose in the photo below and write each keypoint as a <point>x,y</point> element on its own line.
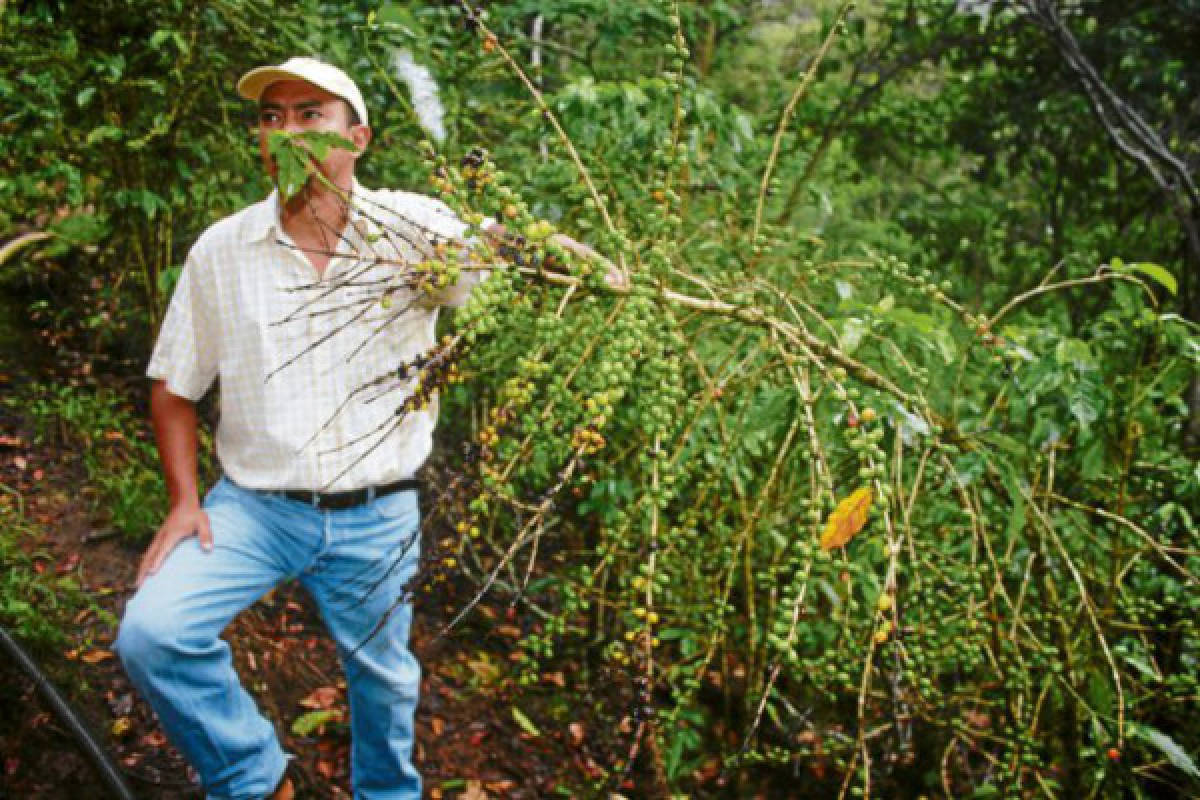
<point>62,709</point>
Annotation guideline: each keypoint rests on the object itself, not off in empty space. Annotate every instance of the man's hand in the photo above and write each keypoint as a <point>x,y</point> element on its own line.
<point>614,278</point>
<point>183,521</point>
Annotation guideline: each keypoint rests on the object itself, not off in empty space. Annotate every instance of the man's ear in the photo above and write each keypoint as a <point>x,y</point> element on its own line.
<point>361,136</point>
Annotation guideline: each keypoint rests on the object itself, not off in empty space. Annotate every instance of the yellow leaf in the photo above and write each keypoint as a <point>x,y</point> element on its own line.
<point>96,656</point>
<point>847,519</point>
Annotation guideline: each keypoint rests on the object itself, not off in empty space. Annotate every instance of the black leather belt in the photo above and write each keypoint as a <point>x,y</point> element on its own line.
<point>336,501</point>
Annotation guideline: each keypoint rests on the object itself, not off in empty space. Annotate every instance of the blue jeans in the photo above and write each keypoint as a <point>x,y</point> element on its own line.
<point>354,562</point>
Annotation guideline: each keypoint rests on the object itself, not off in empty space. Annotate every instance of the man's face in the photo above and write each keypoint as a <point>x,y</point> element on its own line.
<point>296,106</point>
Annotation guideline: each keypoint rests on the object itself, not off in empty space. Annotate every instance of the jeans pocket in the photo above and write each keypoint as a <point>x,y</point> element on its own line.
<point>220,489</point>
<point>396,505</point>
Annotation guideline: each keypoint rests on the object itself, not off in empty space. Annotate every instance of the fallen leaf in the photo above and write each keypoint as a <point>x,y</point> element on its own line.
<point>503,787</point>
<point>555,678</point>
<point>311,721</point>
<point>38,474</point>
<point>121,726</point>
<point>437,725</point>
<point>20,463</point>
<point>486,671</point>
<point>474,791</point>
<point>96,656</point>
<point>511,631</point>
<point>320,698</point>
<point>525,723</point>
<point>847,519</point>
<point>325,768</point>
<point>68,564</point>
<point>575,730</point>
<point>154,739</point>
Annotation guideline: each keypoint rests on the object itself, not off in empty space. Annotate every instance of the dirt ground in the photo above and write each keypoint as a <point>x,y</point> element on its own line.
<point>470,744</point>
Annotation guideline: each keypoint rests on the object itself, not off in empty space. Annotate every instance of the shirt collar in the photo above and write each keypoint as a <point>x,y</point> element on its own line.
<point>263,219</point>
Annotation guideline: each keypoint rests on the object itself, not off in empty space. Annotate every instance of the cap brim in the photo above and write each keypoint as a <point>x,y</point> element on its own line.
<point>253,83</point>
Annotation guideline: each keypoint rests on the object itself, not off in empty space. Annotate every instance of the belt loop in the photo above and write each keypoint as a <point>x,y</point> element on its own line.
<point>316,500</point>
<point>370,494</point>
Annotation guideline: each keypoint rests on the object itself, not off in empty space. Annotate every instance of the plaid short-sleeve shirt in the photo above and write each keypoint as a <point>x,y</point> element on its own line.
<point>293,351</point>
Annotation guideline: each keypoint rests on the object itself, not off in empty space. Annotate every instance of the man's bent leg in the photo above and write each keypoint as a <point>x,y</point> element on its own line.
<point>169,642</point>
<point>358,584</point>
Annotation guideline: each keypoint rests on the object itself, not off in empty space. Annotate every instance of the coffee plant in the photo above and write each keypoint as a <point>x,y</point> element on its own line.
<point>805,512</point>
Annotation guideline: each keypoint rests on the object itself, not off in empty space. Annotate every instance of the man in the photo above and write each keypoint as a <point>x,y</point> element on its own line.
<point>318,478</point>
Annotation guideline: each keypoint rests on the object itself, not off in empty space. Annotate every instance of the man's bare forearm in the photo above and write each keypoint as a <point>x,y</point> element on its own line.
<point>175,429</point>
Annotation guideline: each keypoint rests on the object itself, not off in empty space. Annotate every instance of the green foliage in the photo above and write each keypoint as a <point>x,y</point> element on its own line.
<point>34,604</point>
<point>311,722</point>
<point>759,370</point>
<point>1034,177</point>
<point>910,284</point>
<point>296,157</point>
<point>121,135</point>
<point>123,477</point>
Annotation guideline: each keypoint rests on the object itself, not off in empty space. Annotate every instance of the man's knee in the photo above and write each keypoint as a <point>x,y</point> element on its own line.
<point>147,636</point>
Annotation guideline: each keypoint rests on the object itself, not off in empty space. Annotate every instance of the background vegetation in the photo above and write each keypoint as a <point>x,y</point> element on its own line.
<point>942,252</point>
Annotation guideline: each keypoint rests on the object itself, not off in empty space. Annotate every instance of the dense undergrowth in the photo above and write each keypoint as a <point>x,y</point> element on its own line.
<point>34,605</point>
<point>37,600</point>
<point>124,484</point>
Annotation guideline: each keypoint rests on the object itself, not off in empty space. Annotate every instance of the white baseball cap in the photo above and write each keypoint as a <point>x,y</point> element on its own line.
<point>318,73</point>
